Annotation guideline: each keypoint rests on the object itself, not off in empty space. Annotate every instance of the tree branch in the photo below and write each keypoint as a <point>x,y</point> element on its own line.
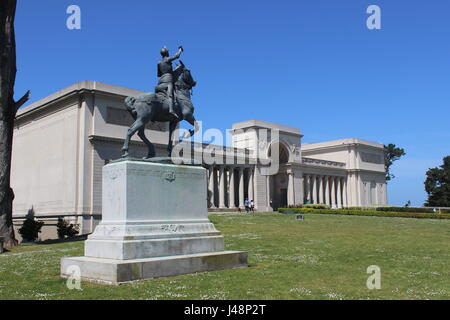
<point>22,101</point>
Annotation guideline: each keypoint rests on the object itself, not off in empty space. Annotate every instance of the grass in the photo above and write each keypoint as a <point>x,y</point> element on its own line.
<point>323,257</point>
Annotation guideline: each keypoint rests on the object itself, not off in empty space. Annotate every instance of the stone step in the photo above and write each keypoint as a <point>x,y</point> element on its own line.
<point>115,272</point>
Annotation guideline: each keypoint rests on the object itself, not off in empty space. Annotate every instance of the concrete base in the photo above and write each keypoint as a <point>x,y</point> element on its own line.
<point>154,224</point>
<point>115,272</point>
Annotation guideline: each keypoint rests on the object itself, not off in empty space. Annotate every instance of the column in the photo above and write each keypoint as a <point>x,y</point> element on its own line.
<point>326,181</point>
<point>241,187</point>
<point>211,187</point>
<point>344,192</point>
<point>290,191</point>
<point>216,187</point>
<point>250,184</point>
<point>306,188</point>
<point>339,192</point>
<point>232,200</point>
<point>314,189</point>
<point>298,187</point>
<point>268,190</point>
<point>222,187</point>
<point>333,192</point>
<point>320,188</point>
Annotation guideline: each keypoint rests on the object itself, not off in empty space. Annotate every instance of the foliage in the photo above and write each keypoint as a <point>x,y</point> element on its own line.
<point>391,154</point>
<point>380,208</point>
<point>359,208</point>
<point>374,213</point>
<point>30,229</point>
<point>437,185</point>
<point>411,209</point>
<point>66,229</point>
<point>312,206</point>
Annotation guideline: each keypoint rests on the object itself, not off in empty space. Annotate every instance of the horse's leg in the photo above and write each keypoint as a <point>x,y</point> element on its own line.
<point>172,127</point>
<point>190,118</point>
<point>136,126</point>
<point>151,148</point>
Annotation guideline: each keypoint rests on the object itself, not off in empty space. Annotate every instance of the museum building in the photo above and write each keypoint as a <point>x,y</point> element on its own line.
<point>62,142</point>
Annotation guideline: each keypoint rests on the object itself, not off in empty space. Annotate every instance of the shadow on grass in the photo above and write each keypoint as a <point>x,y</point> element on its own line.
<point>55,241</point>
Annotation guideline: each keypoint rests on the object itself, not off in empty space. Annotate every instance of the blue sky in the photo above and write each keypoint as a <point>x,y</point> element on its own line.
<point>311,64</point>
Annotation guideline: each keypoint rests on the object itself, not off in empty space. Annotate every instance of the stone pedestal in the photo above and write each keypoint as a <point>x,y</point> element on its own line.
<point>154,224</point>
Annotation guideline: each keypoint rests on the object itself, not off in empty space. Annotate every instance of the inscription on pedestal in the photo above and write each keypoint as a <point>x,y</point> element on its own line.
<point>169,176</point>
<point>172,228</point>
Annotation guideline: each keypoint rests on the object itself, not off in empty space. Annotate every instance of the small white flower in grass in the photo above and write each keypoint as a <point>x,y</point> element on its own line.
<point>301,291</point>
<point>334,295</point>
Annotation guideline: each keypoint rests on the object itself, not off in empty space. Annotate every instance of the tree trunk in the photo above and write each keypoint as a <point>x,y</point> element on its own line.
<point>8,109</point>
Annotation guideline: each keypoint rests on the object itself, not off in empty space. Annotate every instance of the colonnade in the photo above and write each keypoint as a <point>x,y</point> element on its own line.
<point>325,189</point>
<point>228,186</point>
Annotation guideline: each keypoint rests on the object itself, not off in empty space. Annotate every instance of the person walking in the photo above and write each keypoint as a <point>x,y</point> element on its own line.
<point>247,205</point>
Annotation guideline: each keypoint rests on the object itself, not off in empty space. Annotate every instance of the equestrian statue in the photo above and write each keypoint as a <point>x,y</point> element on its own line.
<point>171,103</point>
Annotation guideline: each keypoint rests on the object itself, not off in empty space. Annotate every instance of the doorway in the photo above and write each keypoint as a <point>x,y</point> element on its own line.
<point>283,198</point>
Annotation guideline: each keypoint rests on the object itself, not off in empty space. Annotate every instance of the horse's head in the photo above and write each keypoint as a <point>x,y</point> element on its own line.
<point>186,77</point>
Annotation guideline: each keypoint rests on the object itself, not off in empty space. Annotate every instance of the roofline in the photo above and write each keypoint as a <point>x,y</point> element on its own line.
<point>78,87</point>
<point>266,125</point>
<point>340,143</point>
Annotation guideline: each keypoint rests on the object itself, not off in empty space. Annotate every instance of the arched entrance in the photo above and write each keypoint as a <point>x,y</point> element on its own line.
<point>279,182</point>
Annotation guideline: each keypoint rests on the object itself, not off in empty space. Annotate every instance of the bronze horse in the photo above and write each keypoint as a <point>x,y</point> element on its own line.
<point>154,107</point>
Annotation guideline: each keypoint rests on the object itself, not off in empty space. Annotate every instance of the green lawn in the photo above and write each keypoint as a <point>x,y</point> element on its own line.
<point>323,257</point>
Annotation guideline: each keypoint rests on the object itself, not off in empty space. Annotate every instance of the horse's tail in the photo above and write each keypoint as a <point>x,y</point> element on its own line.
<point>129,102</point>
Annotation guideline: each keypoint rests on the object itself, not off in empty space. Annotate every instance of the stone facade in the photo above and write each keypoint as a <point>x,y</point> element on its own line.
<point>62,142</point>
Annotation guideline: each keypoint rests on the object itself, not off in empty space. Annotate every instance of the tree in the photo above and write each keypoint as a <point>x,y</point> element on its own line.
<point>66,229</point>
<point>391,154</point>
<point>437,185</point>
<point>30,229</point>
<point>8,109</point>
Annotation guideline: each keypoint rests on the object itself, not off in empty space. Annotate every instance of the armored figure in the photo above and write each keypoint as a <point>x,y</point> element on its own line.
<point>165,74</point>
<point>170,103</point>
